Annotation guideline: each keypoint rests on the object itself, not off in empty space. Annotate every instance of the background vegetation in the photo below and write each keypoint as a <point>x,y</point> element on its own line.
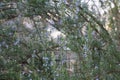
<point>87,48</point>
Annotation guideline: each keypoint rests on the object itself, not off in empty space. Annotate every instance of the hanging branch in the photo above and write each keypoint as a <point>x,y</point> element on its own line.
<point>97,22</point>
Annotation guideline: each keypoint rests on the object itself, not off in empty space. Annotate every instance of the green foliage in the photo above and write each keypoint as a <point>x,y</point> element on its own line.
<point>33,56</point>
